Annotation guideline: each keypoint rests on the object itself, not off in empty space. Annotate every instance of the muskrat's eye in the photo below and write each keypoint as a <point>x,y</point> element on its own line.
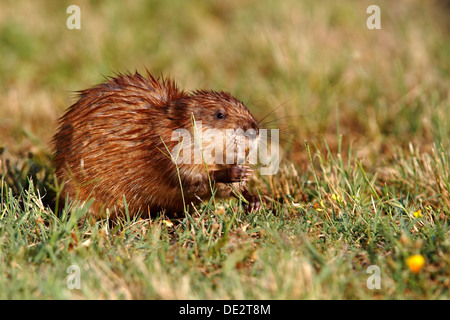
<point>220,115</point>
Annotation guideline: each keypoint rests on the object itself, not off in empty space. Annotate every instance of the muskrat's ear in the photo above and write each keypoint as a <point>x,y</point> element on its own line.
<point>176,110</point>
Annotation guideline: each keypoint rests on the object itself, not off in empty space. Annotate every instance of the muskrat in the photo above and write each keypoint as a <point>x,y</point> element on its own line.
<point>112,146</point>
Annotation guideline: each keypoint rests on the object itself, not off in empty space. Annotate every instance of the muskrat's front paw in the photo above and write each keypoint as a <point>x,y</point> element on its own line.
<point>254,203</point>
<point>240,173</point>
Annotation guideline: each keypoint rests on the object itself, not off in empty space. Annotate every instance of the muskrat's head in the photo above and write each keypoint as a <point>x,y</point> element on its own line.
<point>224,122</point>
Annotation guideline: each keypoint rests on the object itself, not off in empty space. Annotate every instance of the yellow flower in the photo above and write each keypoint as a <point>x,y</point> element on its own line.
<point>319,207</point>
<point>418,214</point>
<point>415,263</point>
<point>337,198</point>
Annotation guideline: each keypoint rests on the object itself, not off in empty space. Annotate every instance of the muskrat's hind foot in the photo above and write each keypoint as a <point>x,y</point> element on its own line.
<point>254,202</point>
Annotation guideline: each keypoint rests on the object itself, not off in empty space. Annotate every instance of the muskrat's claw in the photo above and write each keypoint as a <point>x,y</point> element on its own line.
<point>248,173</point>
<point>240,173</point>
<point>254,204</point>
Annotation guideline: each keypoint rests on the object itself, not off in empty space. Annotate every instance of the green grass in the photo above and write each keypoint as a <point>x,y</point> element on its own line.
<point>372,106</point>
<point>290,250</point>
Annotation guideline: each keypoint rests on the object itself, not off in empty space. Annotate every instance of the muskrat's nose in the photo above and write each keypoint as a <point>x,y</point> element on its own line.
<point>255,127</point>
<point>246,126</point>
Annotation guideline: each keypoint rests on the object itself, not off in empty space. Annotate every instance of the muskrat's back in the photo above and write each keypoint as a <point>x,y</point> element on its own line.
<point>113,144</point>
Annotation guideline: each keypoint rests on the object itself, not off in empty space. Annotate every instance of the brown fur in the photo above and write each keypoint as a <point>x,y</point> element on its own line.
<point>110,145</point>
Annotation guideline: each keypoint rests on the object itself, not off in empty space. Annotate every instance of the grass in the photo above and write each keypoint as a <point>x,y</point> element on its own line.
<point>371,185</point>
<point>289,250</point>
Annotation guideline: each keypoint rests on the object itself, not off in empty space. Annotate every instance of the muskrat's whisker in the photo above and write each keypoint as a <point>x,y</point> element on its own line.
<point>273,110</point>
<point>281,118</point>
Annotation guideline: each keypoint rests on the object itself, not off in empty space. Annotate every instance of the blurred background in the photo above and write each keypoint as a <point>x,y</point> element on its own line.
<point>314,62</point>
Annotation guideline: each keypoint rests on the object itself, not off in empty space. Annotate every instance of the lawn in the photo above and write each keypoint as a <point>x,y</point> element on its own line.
<point>359,208</point>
